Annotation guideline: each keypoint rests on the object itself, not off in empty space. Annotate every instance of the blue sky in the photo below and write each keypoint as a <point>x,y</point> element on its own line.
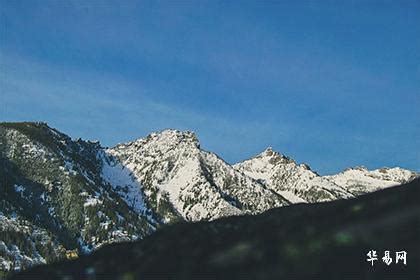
<point>330,83</point>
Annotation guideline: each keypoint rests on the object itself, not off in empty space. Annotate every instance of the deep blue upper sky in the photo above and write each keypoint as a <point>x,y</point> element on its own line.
<point>328,83</point>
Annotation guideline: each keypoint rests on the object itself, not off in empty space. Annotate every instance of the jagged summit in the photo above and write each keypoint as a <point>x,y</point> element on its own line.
<point>173,136</point>
<point>268,151</point>
<point>269,156</point>
<point>164,140</point>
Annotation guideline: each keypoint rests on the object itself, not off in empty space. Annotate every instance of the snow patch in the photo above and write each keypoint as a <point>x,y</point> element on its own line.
<point>92,201</point>
<point>123,183</point>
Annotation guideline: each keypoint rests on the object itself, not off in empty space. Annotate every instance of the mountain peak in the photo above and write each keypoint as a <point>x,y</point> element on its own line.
<point>268,151</point>
<point>173,137</point>
<point>273,156</point>
<point>165,140</point>
<point>184,135</point>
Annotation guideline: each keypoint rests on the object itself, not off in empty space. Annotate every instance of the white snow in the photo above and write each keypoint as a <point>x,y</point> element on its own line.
<point>92,201</point>
<point>181,180</point>
<point>290,196</point>
<point>124,183</point>
<point>360,179</point>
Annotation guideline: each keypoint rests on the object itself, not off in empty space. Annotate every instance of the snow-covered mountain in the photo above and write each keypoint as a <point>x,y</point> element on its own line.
<point>62,194</point>
<point>182,181</point>
<point>359,180</point>
<point>296,182</point>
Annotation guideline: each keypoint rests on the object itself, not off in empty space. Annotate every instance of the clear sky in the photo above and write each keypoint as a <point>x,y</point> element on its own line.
<point>333,84</point>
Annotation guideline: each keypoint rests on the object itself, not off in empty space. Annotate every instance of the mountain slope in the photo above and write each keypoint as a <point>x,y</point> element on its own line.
<point>304,241</point>
<point>52,183</point>
<point>24,244</point>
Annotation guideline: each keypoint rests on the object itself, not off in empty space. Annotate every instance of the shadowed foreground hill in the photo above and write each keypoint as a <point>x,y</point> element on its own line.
<point>300,241</point>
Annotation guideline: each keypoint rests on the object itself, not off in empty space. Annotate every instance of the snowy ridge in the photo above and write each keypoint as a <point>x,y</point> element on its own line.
<point>296,182</point>
<point>360,180</point>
